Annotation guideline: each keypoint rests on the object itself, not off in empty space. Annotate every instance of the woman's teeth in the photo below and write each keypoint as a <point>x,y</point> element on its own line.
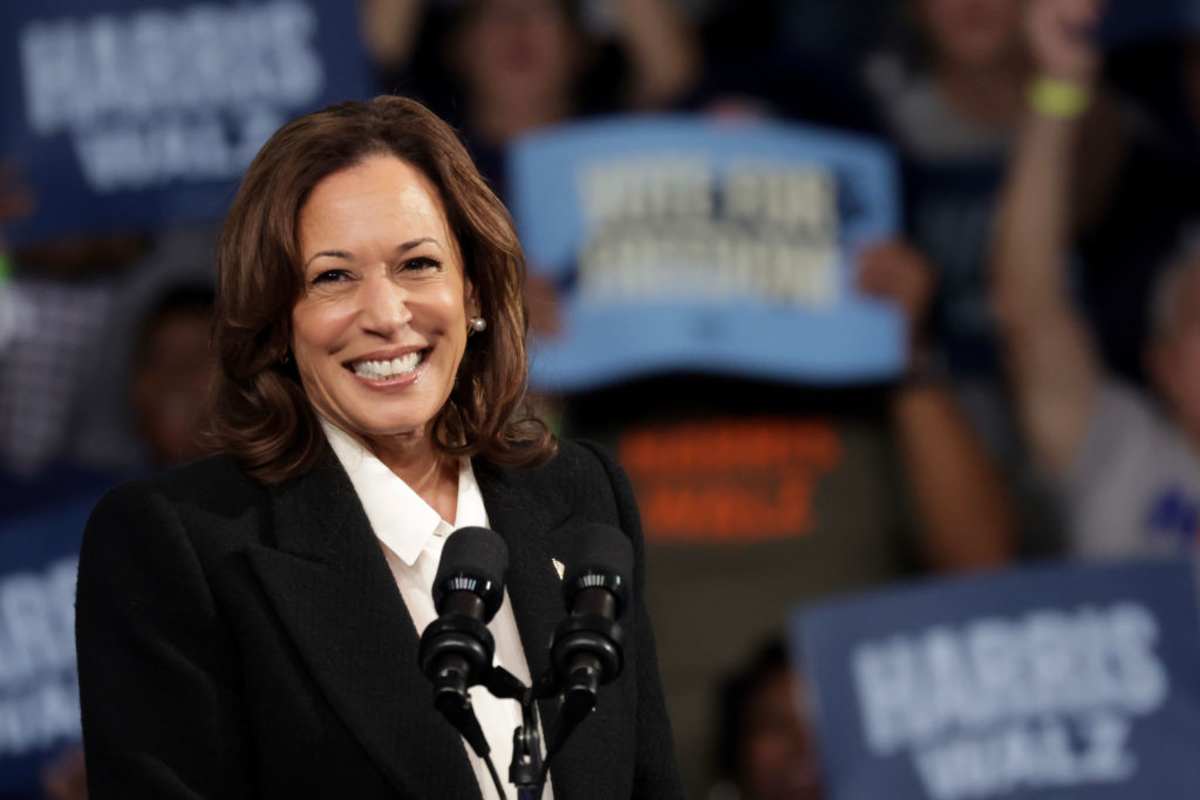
<point>382,370</point>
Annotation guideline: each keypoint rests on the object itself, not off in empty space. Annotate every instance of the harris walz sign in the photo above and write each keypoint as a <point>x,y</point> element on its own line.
<point>130,114</point>
<point>1071,683</point>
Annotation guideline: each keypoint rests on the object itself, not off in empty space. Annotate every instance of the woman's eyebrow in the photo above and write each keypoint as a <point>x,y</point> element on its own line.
<point>331,253</point>
<point>400,249</point>
<point>404,248</point>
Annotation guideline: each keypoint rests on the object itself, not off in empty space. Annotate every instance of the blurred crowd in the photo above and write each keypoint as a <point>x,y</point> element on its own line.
<point>1048,273</point>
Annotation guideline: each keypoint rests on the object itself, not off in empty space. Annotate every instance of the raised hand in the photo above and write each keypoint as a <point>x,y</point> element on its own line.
<point>895,270</point>
<point>1062,38</point>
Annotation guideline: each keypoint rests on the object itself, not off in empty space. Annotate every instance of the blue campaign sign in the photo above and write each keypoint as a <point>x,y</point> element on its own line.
<point>1063,682</point>
<point>129,114</point>
<point>686,244</point>
<point>39,692</point>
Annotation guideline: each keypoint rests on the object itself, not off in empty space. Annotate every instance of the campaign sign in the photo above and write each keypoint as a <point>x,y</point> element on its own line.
<point>1071,682</point>
<point>39,692</point>
<point>687,244</point>
<point>129,114</point>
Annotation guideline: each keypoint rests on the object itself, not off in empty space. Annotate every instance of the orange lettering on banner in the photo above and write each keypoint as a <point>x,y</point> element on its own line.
<point>729,480</point>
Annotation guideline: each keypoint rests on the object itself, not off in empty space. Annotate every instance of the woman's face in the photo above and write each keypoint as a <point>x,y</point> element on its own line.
<point>518,52</point>
<point>381,328</point>
<point>973,33</point>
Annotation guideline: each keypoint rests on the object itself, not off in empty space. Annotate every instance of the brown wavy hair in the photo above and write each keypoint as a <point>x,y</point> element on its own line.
<point>260,413</point>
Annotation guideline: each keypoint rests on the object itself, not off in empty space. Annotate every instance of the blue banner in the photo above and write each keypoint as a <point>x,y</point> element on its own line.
<point>130,114</point>
<point>1071,683</point>
<point>39,692</point>
<point>687,244</point>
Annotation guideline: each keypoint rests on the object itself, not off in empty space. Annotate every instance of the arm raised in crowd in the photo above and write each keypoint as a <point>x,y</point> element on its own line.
<point>1052,361</point>
<point>965,511</point>
<point>389,28</point>
<point>662,49</point>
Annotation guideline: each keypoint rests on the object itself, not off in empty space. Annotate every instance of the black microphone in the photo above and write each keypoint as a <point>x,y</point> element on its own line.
<point>587,651</point>
<point>457,648</point>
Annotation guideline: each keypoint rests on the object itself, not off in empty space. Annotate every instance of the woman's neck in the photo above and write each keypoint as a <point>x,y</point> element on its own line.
<point>432,475</point>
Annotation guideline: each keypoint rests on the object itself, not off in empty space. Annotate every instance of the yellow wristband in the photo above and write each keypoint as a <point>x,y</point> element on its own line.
<point>1059,99</point>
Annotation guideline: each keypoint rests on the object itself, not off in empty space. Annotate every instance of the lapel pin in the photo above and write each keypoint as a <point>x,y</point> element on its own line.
<point>558,567</point>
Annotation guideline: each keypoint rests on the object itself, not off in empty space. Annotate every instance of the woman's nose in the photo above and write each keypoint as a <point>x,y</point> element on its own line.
<point>384,306</point>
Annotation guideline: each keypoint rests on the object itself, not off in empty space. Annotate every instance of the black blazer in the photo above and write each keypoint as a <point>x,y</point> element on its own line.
<point>241,641</point>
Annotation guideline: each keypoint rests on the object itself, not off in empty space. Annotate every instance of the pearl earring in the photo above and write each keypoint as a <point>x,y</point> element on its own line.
<point>478,324</point>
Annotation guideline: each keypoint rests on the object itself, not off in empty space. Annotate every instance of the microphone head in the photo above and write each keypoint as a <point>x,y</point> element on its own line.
<point>598,556</point>
<point>473,560</point>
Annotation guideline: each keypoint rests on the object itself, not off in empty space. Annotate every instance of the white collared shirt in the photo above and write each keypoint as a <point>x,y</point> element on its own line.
<point>412,535</point>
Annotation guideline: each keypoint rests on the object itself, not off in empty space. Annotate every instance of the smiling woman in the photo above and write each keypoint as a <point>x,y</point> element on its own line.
<point>347,222</point>
<point>240,615</point>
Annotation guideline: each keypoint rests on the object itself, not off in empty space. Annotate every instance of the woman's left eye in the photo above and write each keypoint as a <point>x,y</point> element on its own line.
<point>422,262</point>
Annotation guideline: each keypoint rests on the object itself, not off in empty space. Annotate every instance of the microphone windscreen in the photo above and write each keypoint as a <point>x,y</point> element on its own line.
<point>478,553</point>
<point>594,550</point>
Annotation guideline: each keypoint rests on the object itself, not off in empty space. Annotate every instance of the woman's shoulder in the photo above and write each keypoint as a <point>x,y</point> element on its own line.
<point>582,479</point>
<point>575,462</point>
<point>214,488</point>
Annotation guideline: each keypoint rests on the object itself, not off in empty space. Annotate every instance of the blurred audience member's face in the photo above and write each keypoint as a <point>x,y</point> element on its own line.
<point>171,385</point>
<point>518,51</point>
<point>779,760</point>
<point>1175,359</point>
<point>972,33</point>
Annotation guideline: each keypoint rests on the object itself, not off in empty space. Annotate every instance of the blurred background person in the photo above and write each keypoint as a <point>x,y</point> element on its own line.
<point>500,68</point>
<point>173,369</point>
<point>950,90</point>
<point>163,381</point>
<point>1126,465</point>
<point>765,747</point>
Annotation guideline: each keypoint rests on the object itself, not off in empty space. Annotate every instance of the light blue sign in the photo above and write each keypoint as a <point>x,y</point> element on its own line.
<point>1071,683</point>
<point>683,244</point>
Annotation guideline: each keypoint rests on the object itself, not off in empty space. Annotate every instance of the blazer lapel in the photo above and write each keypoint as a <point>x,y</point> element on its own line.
<point>335,594</point>
<point>526,520</point>
<point>533,585</point>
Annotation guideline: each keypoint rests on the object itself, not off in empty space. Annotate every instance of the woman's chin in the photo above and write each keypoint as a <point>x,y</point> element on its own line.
<point>409,425</point>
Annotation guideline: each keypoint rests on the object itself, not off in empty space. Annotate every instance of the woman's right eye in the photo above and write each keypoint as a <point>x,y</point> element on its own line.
<point>330,276</point>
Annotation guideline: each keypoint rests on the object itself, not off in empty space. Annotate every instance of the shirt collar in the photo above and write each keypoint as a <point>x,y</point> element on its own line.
<point>399,517</point>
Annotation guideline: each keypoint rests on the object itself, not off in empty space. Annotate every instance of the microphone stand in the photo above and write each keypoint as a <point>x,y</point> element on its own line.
<point>528,771</point>
<point>525,772</point>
